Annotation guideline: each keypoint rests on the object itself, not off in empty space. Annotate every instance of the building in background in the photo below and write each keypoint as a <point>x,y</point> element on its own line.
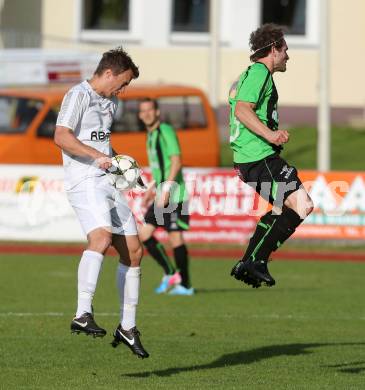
<point>169,39</point>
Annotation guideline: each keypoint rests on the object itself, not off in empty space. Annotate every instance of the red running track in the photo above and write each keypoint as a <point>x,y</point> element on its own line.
<point>224,253</point>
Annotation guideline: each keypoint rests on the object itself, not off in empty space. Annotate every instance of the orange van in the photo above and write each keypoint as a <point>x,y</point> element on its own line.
<point>28,117</point>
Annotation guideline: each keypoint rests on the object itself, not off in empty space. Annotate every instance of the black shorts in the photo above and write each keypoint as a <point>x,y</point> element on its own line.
<point>272,178</point>
<point>173,218</point>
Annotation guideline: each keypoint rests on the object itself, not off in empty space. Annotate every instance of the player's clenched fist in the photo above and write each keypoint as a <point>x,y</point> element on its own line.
<point>278,137</point>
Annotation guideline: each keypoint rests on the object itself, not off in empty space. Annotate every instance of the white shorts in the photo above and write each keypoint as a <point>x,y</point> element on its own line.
<point>98,204</point>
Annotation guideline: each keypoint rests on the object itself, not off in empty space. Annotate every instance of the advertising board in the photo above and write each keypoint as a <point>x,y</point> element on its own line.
<point>34,206</point>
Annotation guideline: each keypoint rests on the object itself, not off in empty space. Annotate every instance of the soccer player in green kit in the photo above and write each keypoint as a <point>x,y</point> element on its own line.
<point>256,141</point>
<point>167,199</point>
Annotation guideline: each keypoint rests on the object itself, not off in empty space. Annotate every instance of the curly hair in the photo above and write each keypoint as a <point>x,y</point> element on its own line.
<point>262,39</point>
<point>118,61</point>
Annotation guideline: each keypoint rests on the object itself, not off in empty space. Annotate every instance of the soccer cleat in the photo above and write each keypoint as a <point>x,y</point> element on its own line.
<point>86,324</point>
<point>131,339</point>
<point>253,273</point>
<point>164,285</point>
<point>239,271</point>
<point>175,279</point>
<point>181,290</point>
<point>260,272</point>
<point>250,281</point>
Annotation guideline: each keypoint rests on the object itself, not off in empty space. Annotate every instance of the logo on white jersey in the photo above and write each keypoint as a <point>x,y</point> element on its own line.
<point>99,135</point>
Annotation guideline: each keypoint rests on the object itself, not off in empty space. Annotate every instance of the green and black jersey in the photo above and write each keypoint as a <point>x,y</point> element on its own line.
<point>162,143</point>
<point>255,85</point>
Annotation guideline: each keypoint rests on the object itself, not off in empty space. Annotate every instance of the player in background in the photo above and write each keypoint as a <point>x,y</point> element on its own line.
<point>167,199</point>
<point>83,134</point>
<point>256,141</point>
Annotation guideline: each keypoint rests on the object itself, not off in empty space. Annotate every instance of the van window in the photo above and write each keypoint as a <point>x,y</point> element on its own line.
<point>126,118</point>
<point>16,114</point>
<point>48,126</point>
<point>183,112</point>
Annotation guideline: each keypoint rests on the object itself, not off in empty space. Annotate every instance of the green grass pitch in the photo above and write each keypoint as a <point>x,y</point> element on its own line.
<point>305,333</point>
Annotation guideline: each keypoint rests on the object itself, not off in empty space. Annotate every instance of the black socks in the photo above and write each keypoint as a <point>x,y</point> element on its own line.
<point>157,251</point>
<point>262,227</point>
<point>182,263</point>
<point>271,232</point>
<point>287,222</point>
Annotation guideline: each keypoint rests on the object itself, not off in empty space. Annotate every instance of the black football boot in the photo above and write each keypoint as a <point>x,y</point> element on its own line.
<point>131,339</point>
<point>86,324</point>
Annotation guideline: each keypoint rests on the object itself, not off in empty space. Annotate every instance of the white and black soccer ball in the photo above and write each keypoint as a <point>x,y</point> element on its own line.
<point>125,173</point>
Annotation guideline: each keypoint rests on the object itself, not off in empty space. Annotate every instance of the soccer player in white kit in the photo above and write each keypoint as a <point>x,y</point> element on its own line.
<point>83,134</point>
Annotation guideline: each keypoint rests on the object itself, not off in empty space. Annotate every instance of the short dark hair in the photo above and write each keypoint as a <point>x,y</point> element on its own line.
<point>150,100</point>
<point>118,61</point>
<point>262,39</point>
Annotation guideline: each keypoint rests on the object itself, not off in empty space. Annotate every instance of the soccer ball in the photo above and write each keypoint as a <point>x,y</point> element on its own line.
<point>125,173</point>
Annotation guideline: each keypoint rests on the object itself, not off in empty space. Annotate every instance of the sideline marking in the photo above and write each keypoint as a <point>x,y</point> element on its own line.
<point>272,316</point>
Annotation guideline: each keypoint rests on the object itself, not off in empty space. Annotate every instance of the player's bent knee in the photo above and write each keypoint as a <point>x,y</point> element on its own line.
<point>310,207</point>
<point>143,236</point>
<point>146,232</point>
<point>307,205</point>
<point>135,256</point>
<point>300,202</point>
<point>99,242</point>
<point>139,253</point>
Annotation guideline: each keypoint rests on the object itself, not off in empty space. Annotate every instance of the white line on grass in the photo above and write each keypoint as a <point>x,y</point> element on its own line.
<point>272,316</point>
<point>47,314</point>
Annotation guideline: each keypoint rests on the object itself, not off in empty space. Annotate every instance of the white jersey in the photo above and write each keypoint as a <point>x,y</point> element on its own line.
<point>90,117</point>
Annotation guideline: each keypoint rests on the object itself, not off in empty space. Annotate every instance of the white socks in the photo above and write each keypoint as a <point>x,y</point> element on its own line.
<point>88,273</point>
<point>128,280</point>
